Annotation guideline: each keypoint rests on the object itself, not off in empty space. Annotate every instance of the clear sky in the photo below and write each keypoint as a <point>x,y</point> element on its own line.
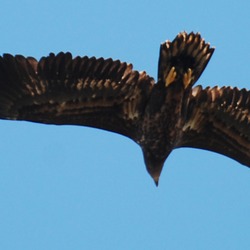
<point>73,187</point>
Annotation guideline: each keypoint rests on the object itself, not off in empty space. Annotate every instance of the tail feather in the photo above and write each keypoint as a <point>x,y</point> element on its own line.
<point>186,51</point>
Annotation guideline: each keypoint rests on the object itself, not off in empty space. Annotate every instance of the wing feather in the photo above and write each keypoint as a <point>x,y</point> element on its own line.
<point>218,120</point>
<point>59,89</point>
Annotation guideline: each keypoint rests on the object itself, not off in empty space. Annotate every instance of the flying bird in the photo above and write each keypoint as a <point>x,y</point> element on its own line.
<point>108,94</point>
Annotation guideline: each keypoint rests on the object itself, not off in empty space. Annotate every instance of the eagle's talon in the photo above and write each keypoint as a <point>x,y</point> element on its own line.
<point>187,78</point>
<point>171,76</point>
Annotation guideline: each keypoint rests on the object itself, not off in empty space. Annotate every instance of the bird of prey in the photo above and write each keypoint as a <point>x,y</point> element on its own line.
<point>108,94</point>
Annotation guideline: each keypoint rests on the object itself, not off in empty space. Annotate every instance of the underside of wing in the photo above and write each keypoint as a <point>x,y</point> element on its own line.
<point>60,89</point>
<point>218,119</point>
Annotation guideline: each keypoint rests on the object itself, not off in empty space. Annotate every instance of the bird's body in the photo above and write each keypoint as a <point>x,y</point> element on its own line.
<point>109,95</point>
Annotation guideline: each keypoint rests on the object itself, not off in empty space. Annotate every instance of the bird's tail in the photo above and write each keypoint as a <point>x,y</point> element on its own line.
<point>186,56</point>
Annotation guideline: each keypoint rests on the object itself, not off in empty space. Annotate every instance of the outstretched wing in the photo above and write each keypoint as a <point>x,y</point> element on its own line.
<point>218,119</point>
<point>100,93</point>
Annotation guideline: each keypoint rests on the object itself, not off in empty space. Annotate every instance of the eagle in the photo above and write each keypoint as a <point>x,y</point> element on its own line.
<point>108,94</point>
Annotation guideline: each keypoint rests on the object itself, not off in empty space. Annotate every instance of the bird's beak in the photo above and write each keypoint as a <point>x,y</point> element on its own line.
<point>156,180</point>
<point>156,176</point>
<point>154,166</point>
<point>155,171</point>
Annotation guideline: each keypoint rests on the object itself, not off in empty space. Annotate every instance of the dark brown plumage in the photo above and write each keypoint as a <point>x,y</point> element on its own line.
<point>109,95</point>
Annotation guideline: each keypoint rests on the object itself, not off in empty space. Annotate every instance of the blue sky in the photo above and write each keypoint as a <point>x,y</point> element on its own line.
<point>73,187</point>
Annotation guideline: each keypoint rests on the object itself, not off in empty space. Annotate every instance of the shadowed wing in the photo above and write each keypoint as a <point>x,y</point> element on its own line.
<point>218,120</point>
<point>86,91</point>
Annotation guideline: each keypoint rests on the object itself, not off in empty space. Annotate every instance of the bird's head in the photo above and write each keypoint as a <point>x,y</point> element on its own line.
<point>154,165</point>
